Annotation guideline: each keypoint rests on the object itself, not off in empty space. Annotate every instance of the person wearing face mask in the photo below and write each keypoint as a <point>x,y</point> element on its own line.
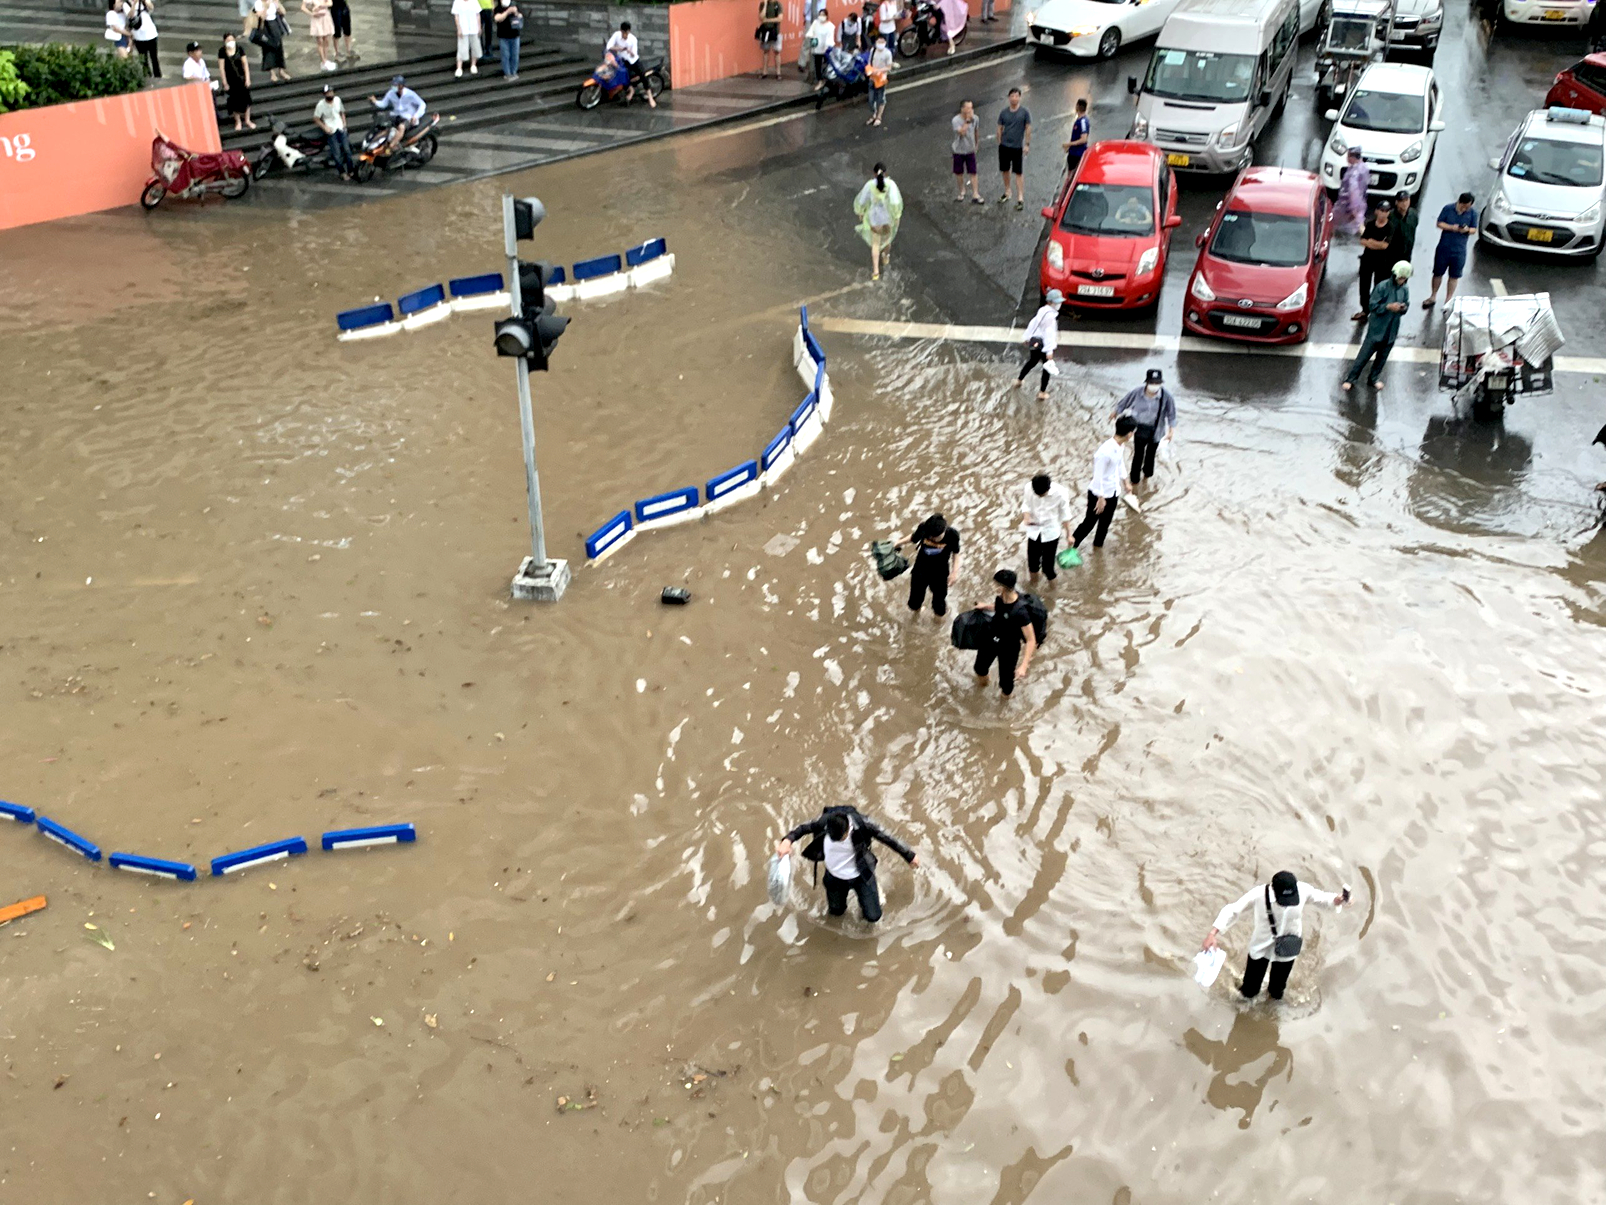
<point>1278,909</point>
<point>234,69</point>
<point>1154,411</point>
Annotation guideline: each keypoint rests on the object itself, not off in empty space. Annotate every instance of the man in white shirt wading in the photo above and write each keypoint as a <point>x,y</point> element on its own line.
<point>1103,493</point>
<point>1045,513</point>
<point>1278,908</point>
<point>624,47</point>
<point>842,841</point>
<point>1042,337</point>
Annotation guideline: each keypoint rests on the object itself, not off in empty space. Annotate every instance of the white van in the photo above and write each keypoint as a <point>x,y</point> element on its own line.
<point>1220,70</point>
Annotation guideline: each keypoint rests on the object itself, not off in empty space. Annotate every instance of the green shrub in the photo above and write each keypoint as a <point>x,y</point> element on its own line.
<point>55,73</point>
<point>12,89</point>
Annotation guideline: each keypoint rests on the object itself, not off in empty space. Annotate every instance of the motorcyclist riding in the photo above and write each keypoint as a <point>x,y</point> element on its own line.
<point>405,107</point>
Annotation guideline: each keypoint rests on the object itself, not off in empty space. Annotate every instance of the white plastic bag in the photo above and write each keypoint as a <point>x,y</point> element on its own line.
<point>1207,965</point>
<point>780,879</point>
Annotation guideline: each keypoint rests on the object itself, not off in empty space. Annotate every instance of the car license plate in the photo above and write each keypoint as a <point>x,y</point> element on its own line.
<point>1096,290</point>
<point>1371,180</point>
<point>1240,320</point>
<point>1175,160</point>
<point>1541,236</point>
<point>1554,14</point>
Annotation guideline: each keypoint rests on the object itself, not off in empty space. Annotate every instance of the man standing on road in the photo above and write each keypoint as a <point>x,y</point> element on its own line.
<point>1402,227</point>
<point>330,116</point>
<point>624,47</point>
<point>1010,632</point>
<point>1081,135</point>
<point>1389,300</point>
<point>842,841</point>
<point>1014,142</point>
<point>1042,337</point>
<point>1376,239</point>
<point>965,153</point>
<point>1046,515</point>
<point>1279,928</point>
<point>936,564</point>
<point>1103,492</point>
<point>1457,223</point>
<point>1153,409</point>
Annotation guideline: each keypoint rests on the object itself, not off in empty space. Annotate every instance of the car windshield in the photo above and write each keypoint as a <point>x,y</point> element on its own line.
<point>1200,75</point>
<point>1122,210</point>
<point>1389,112</point>
<point>1273,239</point>
<point>1570,164</point>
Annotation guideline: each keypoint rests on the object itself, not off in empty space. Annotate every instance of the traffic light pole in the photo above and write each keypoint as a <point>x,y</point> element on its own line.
<point>538,579</point>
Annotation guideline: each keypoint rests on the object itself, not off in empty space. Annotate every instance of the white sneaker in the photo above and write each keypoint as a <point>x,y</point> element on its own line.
<point>330,66</point>
<point>474,69</point>
<point>459,73</point>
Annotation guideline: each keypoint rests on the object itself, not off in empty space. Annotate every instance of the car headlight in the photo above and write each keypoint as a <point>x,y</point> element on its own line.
<point>1147,260</point>
<point>1084,31</point>
<point>1589,216</point>
<point>1031,18</point>
<point>1056,256</point>
<point>1226,134</point>
<point>1339,146</point>
<point>1140,126</point>
<point>1498,204</point>
<point>1295,300</point>
<point>1412,153</point>
<point>1432,21</point>
<point>1201,289</point>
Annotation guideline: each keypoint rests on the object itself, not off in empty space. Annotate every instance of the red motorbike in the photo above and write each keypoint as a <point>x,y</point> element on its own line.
<point>187,175</point>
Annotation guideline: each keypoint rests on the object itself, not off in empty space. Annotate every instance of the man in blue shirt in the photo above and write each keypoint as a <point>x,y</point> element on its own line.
<point>1081,133</point>
<point>1390,298</point>
<point>1457,223</point>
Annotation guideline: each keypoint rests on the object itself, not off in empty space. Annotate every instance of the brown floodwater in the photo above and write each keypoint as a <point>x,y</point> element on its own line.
<point>254,585</point>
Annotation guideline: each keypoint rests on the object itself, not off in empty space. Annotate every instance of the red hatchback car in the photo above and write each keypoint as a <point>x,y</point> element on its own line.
<point>1262,259</point>
<point>1581,86</point>
<point>1112,228</point>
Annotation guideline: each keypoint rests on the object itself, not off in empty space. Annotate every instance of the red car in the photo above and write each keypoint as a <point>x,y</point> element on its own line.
<point>1112,228</point>
<point>1581,86</point>
<point>1262,259</point>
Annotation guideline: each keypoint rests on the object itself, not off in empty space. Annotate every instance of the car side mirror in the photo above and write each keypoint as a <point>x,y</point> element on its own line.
<point>1048,212</point>
<point>1264,99</point>
<point>1172,222</point>
<point>1198,240</point>
<point>1435,127</point>
<point>1331,115</point>
<point>1131,85</point>
<point>1495,163</point>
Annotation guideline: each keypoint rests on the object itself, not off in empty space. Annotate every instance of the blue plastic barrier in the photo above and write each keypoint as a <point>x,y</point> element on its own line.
<point>603,265</point>
<point>803,413</point>
<point>814,347</point>
<point>610,535</point>
<point>732,480</point>
<point>776,448</point>
<point>475,286</point>
<point>157,867</point>
<point>365,316</point>
<point>257,855</point>
<point>65,836</point>
<point>420,299</point>
<point>664,506</point>
<point>650,250</point>
<point>557,277</point>
<point>15,811</point>
<point>358,838</point>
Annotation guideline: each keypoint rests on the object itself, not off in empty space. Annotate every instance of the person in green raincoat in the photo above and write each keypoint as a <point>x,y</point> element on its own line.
<point>880,209</point>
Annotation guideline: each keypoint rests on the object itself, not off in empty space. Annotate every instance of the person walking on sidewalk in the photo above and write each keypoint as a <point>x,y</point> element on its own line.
<point>1154,411</point>
<point>466,21</point>
<point>1046,515</point>
<point>876,72</point>
<point>1081,137</point>
<point>821,37</point>
<point>842,838</point>
<point>1278,908</point>
<point>880,209</point>
<point>936,564</point>
<point>234,69</point>
<point>269,34</point>
<point>1103,493</point>
<point>1011,640</point>
<point>509,24</point>
<point>624,47</point>
<point>1457,223</point>
<point>965,153</point>
<point>143,28</point>
<point>1014,144</point>
<point>1042,337</point>
<point>769,36</point>
<point>1390,298</point>
<point>886,15</point>
<point>322,28</point>
<point>1376,239</point>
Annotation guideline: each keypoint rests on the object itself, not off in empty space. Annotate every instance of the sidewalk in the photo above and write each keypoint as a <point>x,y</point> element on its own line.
<point>561,130</point>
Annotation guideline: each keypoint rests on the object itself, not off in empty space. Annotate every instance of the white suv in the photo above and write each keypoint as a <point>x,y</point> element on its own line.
<point>1549,195</point>
<point>1394,116</point>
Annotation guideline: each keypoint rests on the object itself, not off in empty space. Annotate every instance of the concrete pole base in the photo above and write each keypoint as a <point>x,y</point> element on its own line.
<point>547,585</point>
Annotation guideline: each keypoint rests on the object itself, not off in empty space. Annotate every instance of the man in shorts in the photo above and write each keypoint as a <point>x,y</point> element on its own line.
<point>1457,223</point>
<point>1014,141</point>
<point>965,153</point>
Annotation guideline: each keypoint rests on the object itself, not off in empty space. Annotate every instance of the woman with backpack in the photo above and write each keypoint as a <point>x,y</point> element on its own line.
<point>842,840</point>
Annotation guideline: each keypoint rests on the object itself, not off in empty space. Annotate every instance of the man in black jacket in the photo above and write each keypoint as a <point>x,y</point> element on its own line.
<point>842,841</point>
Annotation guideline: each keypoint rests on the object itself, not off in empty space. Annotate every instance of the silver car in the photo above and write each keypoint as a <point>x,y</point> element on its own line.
<point>1417,25</point>
<point>1549,195</point>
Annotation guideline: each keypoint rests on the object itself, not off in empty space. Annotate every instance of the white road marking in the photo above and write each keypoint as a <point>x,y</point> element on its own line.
<point>1139,341</point>
<point>1498,285</point>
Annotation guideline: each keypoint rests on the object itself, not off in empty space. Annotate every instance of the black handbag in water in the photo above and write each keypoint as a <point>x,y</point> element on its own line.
<point>972,629</point>
<point>1284,945</point>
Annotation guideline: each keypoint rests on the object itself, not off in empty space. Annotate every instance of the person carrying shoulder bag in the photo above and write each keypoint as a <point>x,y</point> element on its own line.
<point>1278,937</point>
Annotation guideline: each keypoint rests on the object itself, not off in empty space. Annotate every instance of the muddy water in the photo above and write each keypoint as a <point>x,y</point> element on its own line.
<point>1311,653</point>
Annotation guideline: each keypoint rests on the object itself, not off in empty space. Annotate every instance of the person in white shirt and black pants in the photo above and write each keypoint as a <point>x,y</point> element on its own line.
<point>1103,493</point>
<point>1046,514</point>
<point>1042,337</point>
<point>624,47</point>
<point>842,841</point>
<point>1278,908</point>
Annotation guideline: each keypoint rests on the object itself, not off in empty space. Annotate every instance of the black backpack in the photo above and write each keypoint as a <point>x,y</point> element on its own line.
<point>1038,614</point>
<point>972,628</point>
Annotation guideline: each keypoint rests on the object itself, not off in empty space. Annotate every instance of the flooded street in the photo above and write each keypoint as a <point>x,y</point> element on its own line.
<point>254,585</point>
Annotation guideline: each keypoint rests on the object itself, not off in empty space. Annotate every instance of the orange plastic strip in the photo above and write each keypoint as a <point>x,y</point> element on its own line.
<point>15,910</point>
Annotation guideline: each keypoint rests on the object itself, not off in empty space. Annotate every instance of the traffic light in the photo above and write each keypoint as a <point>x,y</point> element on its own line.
<point>532,335</point>
<point>533,279</point>
<point>527,215</point>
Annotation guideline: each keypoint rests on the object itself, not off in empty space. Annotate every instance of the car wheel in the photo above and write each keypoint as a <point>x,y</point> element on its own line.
<point>1109,43</point>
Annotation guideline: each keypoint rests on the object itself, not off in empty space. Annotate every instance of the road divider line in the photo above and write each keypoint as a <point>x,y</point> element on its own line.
<point>1139,341</point>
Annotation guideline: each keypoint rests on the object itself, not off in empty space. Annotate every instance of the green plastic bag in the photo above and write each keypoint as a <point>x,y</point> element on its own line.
<point>1068,558</point>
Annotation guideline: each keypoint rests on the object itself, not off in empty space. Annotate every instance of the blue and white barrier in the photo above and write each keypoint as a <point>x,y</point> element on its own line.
<point>156,867</point>
<point>600,277</point>
<point>747,479</point>
<point>16,812</point>
<point>473,293</point>
<point>423,307</point>
<point>65,836</point>
<point>366,322</point>
<point>649,262</point>
<point>359,838</point>
<point>274,851</point>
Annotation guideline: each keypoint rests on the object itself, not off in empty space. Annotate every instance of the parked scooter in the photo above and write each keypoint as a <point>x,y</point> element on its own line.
<point>292,151</point>
<point>611,81</point>
<point>188,175</point>
<point>925,29</point>
<point>416,148</point>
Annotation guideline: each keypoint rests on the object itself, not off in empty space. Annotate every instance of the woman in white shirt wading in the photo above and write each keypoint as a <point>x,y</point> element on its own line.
<point>1042,337</point>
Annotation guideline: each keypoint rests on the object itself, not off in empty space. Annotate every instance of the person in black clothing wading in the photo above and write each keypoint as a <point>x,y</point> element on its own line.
<point>936,564</point>
<point>842,841</point>
<point>1011,633</point>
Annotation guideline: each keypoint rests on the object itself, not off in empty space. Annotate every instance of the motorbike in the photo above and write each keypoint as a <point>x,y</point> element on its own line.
<point>416,148</point>
<point>611,81</point>
<point>845,75</point>
<point>293,150</point>
<point>925,29</point>
<point>188,175</point>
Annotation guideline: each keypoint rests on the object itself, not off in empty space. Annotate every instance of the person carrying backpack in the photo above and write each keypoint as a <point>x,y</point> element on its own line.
<point>842,840</point>
<point>1013,630</point>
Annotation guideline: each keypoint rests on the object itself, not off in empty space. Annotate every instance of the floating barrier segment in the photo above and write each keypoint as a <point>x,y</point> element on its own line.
<point>473,293</point>
<point>666,510</point>
<point>65,836</point>
<point>732,486</point>
<point>358,838</point>
<point>274,851</point>
<point>610,537</point>
<point>16,812</point>
<point>777,456</point>
<point>600,277</point>
<point>156,867</point>
<point>423,307</point>
<point>649,262</point>
<point>366,322</point>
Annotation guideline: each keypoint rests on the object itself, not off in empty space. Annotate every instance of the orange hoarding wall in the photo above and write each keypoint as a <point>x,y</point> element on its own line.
<point>63,160</point>
<point>714,39</point>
